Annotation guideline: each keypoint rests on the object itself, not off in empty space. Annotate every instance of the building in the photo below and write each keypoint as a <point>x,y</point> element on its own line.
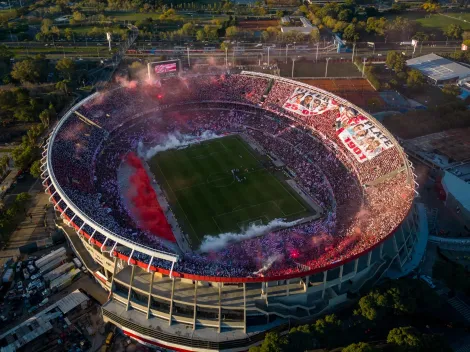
<point>154,299</point>
<point>448,154</point>
<point>27,332</point>
<point>439,70</point>
<point>297,24</point>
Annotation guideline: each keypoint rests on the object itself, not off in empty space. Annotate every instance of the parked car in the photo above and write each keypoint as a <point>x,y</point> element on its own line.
<point>19,285</point>
<point>44,302</point>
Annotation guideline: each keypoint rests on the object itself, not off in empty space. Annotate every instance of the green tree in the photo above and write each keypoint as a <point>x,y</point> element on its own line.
<point>69,34</point>
<point>415,79</point>
<point>66,66</point>
<point>78,16</point>
<point>46,26</point>
<point>25,71</point>
<point>200,35</point>
<point>231,31</point>
<point>350,33</point>
<point>272,343</point>
<point>63,86</point>
<point>360,347</point>
<point>5,54</point>
<point>408,338</point>
<point>431,7</point>
<point>301,338</point>
<point>279,13</point>
<point>451,89</point>
<point>35,169</point>
<point>396,61</point>
<point>454,31</point>
<point>23,197</point>
<point>314,35</point>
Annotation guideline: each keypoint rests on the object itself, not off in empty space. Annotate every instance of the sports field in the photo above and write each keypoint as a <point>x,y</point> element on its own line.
<point>208,199</point>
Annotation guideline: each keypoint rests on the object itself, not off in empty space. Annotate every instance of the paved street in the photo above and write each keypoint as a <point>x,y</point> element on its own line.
<point>30,230</point>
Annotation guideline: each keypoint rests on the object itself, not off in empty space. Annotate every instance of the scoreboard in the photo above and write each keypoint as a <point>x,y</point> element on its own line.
<point>163,68</point>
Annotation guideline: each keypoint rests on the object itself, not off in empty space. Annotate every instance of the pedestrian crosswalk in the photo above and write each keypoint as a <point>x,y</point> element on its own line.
<point>460,307</point>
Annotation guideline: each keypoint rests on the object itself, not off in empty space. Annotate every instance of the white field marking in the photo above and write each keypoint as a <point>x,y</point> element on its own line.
<point>177,201</point>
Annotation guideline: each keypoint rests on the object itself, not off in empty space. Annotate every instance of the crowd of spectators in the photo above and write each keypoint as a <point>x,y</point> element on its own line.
<point>357,214</point>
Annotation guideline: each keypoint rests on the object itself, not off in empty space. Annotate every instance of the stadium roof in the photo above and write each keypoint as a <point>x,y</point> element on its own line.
<point>438,68</point>
<point>458,188</point>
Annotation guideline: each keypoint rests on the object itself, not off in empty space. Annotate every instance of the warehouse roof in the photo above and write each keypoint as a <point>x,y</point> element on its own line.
<point>438,68</point>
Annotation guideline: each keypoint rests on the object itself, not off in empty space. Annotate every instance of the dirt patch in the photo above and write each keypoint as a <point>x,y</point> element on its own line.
<point>357,91</point>
<point>258,25</point>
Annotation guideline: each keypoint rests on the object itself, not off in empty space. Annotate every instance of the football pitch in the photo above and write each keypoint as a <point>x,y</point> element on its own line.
<point>208,198</point>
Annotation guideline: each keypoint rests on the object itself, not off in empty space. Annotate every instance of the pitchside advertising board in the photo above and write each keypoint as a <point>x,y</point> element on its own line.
<point>358,134</point>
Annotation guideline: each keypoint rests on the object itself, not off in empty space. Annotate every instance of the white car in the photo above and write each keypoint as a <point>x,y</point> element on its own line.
<point>19,285</point>
<point>44,302</point>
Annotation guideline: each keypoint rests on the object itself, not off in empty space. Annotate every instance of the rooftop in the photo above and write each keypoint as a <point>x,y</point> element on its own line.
<point>438,68</point>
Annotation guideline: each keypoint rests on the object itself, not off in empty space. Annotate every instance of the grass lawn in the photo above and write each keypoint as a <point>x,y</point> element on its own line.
<point>437,22</point>
<point>208,200</point>
<point>442,22</point>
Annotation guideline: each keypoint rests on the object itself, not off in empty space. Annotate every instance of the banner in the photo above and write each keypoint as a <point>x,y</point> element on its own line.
<point>359,135</point>
<point>307,103</point>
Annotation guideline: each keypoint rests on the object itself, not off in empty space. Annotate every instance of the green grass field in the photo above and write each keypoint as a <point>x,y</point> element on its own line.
<point>437,22</point>
<point>206,198</point>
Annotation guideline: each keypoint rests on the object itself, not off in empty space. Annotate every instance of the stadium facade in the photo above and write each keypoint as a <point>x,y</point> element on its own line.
<point>164,306</point>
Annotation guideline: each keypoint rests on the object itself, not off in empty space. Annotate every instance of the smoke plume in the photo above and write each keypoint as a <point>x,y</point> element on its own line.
<point>218,242</point>
<point>172,141</point>
<point>144,203</point>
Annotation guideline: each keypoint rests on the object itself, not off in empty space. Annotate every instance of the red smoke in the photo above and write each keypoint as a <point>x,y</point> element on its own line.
<point>146,207</point>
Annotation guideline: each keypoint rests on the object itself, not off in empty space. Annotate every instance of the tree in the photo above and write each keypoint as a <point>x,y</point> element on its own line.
<point>231,31</point>
<point>66,66</point>
<point>408,338</point>
<point>453,31</point>
<point>350,33</point>
<point>451,89</point>
<point>279,13</point>
<point>301,338</point>
<point>25,71</point>
<point>69,34</point>
<point>415,79</point>
<point>431,7</point>
<point>360,347</point>
<point>5,54</point>
<point>200,35</point>
<point>35,169</point>
<point>314,35</point>
<point>46,26</point>
<point>396,61</point>
<point>272,343</point>
<point>22,197</point>
<point>78,16</point>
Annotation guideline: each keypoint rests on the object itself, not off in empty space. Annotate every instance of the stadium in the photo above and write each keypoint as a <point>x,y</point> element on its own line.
<point>223,206</point>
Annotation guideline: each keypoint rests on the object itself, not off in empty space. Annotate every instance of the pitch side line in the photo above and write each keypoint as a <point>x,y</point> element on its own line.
<point>177,201</point>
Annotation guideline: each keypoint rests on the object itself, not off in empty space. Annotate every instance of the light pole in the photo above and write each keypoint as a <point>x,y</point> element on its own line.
<point>189,62</point>
<point>293,65</point>
<point>363,66</point>
<point>354,48</point>
<point>326,67</point>
<point>287,48</point>
<point>268,53</point>
<point>316,56</point>
<point>226,57</point>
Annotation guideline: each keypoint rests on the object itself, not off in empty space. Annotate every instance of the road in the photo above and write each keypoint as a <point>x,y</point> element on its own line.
<point>31,228</point>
